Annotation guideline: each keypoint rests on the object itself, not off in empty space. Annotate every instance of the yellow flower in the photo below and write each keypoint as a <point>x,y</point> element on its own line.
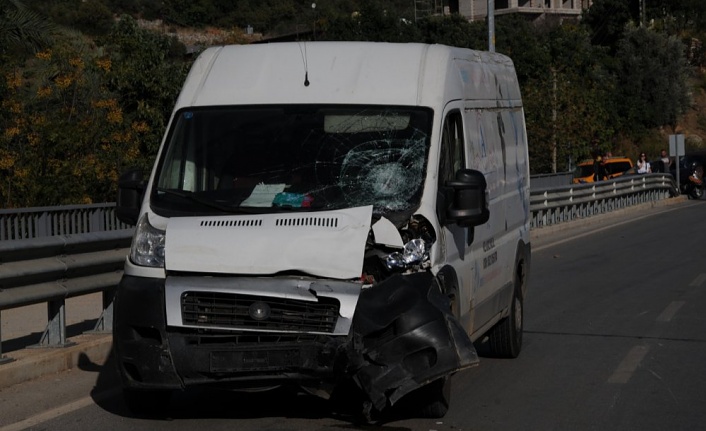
<point>140,127</point>
<point>33,139</point>
<point>38,120</point>
<point>76,62</point>
<point>44,55</point>
<point>11,132</point>
<point>7,161</point>
<point>107,103</point>
<point>44,91</point>
<point>13,106</point>
<point>21,173</point>
<point>115,116</point>
<point>63,81</point>
<point>14,80</point>
<point>133,152</point>
<point>104,64</point>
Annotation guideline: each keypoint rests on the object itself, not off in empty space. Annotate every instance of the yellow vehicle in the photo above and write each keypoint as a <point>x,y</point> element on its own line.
<point>614,167</point>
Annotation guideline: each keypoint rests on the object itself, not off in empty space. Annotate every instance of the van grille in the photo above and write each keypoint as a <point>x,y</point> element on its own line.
<point>225,310</point>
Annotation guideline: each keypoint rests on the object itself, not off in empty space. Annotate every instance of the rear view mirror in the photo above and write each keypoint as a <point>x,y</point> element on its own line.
<point>470,205</point>
<point>131,187</point>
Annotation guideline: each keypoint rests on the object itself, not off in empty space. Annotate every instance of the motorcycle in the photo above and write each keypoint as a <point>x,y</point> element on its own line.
<point>691,177</point>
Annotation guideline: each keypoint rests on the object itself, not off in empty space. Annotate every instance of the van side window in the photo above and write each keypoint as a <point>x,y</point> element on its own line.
<point>452,158</point>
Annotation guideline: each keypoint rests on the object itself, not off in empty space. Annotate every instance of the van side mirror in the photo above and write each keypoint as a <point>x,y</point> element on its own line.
<point>470,205</point>
<point>131,187</point>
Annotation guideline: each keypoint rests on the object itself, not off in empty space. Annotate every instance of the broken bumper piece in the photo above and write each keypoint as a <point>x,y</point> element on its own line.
<point>403,337</point>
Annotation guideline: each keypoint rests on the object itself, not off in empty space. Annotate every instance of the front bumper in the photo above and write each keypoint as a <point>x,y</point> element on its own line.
<point>402,337</point>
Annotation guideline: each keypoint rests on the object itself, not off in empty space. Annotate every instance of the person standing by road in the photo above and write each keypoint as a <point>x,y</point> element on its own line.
<point>665,161</point>
<point>599,172</point>
<point>643,166</point>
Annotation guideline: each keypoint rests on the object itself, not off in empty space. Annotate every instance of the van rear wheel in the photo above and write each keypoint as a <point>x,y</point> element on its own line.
<point>505,339</point>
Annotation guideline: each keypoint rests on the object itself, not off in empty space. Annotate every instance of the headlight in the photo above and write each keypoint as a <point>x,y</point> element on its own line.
<point>414,253</point>
<point>147,245</point>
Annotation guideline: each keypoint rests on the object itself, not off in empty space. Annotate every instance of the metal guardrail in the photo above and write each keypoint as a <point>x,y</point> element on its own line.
<point>53,269</point>
<point>50,254</point>
<point>24,223</point>
<point>555,205</point>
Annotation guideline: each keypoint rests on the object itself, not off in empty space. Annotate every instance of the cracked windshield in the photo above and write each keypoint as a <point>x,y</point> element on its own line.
<point>294,157</point>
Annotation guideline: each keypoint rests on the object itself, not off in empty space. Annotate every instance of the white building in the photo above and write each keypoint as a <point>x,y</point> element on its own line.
<point>476,10</point>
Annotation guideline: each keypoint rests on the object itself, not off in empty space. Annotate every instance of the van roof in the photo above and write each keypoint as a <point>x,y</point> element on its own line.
<point>372,73</point>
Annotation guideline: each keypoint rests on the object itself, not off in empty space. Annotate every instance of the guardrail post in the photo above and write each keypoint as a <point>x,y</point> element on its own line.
<point>3,359</point>
<point>105,321</point>
<point>55,333</point>
<point>97,220</point>
<point>43,225</point>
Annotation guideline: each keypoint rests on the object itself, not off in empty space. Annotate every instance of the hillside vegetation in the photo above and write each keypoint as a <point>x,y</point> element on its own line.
<point>87,87</point>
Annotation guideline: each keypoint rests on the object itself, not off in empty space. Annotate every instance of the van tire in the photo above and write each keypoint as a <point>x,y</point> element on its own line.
<point>505,339</point>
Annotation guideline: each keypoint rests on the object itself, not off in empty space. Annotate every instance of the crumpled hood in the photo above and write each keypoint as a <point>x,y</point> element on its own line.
<point>326,244</point>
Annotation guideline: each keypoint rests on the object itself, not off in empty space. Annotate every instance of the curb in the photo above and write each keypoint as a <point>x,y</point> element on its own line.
<point>32,363</point>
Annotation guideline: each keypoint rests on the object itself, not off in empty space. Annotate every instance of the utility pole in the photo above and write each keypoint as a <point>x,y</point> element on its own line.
<point>554,116</point>
<point>491,25</point>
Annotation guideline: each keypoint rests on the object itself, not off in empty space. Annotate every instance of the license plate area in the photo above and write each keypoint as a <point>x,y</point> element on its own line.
<point>254,360</point>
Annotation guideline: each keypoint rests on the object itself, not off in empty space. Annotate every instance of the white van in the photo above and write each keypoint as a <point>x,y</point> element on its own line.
<point>327,215</point>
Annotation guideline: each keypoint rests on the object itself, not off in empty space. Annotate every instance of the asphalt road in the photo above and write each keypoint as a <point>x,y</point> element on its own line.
<point>615,339</point>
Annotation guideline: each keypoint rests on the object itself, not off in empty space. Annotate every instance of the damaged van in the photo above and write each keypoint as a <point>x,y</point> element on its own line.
<point>328,215</point>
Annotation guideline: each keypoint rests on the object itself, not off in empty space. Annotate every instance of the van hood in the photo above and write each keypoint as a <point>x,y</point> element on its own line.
<point>326,244</point>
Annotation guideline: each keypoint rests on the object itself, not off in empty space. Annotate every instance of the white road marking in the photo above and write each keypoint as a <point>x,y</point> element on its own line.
<point>670,311</point>
<point>698,281</point>
<point>627,367</point>
<point>57,412</point>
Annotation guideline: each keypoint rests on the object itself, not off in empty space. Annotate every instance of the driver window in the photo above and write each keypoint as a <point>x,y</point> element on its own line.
<point>452,158</point>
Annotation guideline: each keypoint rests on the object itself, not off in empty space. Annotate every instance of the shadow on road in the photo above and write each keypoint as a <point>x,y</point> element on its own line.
<point>209,403</point>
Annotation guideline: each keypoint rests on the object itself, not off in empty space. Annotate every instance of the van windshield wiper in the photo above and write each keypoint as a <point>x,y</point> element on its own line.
<point>193,197</point>
<point>235,208</point>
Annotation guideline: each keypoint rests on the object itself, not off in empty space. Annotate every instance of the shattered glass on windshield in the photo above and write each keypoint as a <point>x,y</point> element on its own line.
<point>294,157</point>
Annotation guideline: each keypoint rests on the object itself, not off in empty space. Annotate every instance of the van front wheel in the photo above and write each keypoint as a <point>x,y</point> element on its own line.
<point>505,339</point>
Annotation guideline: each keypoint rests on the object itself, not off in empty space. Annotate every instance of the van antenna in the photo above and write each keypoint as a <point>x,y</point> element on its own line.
<point>306,67</point>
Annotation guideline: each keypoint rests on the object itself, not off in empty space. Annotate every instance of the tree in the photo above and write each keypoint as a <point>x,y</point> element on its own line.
<point>607,20</point>
<point>22,28</point>
<point>93,17</point>
<point>371,23</point>
<point>453,30</point>
<point>567,102</point>
<point>53,148</point>
<point>651,80</point>
<point>75,116</point>
<point>146,80</point>
<point>678,17</point>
